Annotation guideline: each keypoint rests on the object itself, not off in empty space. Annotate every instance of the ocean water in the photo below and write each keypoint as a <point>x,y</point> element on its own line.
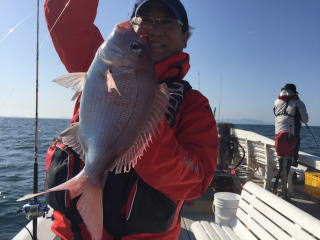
<point>17,158</point>
<point>16,166</point>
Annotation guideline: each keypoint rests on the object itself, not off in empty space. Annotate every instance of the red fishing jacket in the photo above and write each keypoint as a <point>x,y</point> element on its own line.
<point>181,159</point>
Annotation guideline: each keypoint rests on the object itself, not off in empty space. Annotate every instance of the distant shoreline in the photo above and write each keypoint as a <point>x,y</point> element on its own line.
<point>44,118</point>
<point>232,121</point>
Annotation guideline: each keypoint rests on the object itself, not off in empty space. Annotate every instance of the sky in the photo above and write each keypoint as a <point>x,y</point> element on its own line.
<point>241,51</point>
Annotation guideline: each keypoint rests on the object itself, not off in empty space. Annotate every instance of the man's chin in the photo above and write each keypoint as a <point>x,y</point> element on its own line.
<point>158,58</point>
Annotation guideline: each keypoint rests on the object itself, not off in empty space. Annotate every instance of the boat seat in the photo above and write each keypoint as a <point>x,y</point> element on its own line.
<point>261,215</point>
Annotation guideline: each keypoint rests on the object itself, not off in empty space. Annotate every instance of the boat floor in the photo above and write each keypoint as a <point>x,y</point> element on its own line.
<point>194,210</point>
<point>201,208</point>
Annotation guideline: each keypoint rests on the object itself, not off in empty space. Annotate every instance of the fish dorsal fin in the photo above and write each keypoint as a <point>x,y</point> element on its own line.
<point>72,80</point>
<point>70,138</point>
<point>129,159</point>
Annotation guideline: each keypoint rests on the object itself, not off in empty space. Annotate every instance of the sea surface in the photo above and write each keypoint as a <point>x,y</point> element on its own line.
<point>17,160</point>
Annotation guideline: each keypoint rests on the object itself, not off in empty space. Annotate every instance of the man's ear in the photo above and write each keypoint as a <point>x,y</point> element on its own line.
<point>186,36</point>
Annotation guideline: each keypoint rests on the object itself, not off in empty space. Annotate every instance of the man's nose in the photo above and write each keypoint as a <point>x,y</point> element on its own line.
<point>154,31</point>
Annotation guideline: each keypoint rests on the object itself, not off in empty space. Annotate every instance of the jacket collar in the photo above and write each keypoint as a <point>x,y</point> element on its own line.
<point>175,66</point>
<point>287,98</point>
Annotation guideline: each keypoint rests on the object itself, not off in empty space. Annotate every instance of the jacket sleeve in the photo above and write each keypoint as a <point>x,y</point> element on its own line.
<point>303,112</point>
<point>183,166</point>
<point>72,29</point>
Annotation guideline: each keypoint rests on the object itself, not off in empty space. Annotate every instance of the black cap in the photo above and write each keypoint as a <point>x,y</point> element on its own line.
<point>290,86</point>
<point>175,6</point>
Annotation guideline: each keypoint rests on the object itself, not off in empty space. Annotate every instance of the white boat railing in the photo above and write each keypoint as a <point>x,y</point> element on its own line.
<point>261,157</point>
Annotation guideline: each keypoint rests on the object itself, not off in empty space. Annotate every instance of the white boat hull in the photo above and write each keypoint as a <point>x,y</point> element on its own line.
<point>43,233</point>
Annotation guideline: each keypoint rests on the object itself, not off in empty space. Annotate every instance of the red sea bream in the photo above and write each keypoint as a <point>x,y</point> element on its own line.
<point>122,105</point>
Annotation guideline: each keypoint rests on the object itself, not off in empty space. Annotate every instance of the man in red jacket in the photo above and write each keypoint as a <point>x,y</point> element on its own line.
<point>178,165</point>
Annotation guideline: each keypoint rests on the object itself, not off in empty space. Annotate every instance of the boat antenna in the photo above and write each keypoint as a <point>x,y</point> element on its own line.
<point>315,140</point>
<point>199,80</point>
<point>219,109</point>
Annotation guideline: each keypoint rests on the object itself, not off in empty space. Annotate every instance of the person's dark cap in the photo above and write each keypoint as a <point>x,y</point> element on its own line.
<point>290,86</point>
<point>175,6</point>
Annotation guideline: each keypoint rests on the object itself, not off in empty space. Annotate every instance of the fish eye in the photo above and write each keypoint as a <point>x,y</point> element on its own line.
<point>135,48</point>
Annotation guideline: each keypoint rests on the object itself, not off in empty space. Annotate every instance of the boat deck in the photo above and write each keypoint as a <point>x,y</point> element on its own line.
<point>201,209</point>
<point>198,209</point>
<point>187,220</point>
<point>305,201</point>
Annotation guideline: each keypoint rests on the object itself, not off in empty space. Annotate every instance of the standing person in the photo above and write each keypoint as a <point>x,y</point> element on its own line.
<point>179,163</point>
<point>289,112</point>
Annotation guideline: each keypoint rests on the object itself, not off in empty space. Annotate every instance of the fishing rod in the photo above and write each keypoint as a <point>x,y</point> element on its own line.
<point>35,164</point>
<point>315,140</point>
<point>34,210</point>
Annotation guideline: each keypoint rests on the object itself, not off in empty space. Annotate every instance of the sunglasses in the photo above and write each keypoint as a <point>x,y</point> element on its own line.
<point>161,23</point>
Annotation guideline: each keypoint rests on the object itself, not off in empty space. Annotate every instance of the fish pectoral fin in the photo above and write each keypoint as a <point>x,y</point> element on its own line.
<point>111,84</point>
<point>74,81</point>
<point>70,138</point>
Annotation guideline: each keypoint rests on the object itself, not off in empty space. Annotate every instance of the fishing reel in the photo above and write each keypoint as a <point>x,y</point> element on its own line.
<point>34,210</point>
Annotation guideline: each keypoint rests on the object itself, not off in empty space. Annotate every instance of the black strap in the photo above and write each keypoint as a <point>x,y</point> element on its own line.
<point>284,112</point>
<point>75,219</point>
<point>76,231</point>
<point>177,89</point>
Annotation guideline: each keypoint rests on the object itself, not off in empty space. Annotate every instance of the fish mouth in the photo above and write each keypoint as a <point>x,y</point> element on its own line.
<point>124,26</point>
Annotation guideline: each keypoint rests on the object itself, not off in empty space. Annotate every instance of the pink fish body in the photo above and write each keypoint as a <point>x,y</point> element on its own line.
<point>122,104</point>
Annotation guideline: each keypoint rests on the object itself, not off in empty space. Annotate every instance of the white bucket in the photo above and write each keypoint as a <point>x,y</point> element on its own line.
<point>225,206</point>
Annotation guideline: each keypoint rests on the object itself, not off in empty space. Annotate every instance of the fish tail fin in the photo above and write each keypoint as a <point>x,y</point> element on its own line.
<point>74,185</point>
<point>31,195</point>
<point>89,204</point>
<point>90,208</point>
